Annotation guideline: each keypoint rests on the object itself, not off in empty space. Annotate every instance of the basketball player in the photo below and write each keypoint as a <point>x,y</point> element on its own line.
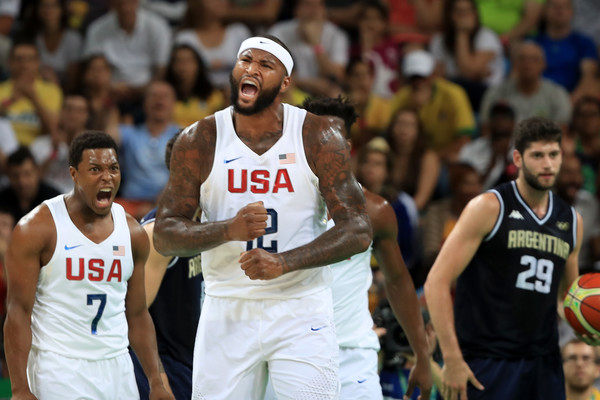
<point>351,280</point>
<point>514,251</point>
<point>173,294</point>
<point>264,174</point>
<point>76,289</point>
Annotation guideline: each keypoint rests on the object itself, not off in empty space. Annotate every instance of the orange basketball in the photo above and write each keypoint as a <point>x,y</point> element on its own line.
<point>582,304</point>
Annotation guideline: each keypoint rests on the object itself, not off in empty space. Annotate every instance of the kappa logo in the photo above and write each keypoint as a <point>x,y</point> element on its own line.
<point>563,226</point>
<point>515,215</point>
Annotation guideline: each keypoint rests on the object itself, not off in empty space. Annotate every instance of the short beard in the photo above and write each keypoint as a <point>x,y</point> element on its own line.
<point>533,182</point>
<point>264,100</point>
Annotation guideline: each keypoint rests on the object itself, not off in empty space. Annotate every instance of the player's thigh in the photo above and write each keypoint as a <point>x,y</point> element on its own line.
<point>52,376</point>
<point>228,361</point>
<point>302,348</point>
<point>358,374</point>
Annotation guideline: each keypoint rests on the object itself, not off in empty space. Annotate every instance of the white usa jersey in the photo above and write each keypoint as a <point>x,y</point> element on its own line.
<point>352,279</point>
<point>79,309</point>
<point>282,179</point>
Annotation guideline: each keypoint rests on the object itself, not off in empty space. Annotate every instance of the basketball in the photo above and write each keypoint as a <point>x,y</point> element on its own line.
<point>582,304</point>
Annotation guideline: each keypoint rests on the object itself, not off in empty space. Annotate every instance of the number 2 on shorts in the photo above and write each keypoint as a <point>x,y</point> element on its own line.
<point>90,299</point>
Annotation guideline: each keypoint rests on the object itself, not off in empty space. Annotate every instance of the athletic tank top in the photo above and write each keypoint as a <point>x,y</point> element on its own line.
<point>352,279</point>
<point>176,308</point>
<point>79,308</point>
<point>283,180</point>
<point>505,303</point>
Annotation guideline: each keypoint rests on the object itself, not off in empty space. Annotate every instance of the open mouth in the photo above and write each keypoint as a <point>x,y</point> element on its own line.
<point>103,198</point>
<point>248,89</point>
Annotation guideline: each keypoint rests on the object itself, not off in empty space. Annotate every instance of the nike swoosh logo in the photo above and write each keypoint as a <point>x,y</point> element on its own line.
<point>317,329</point>
<point>361,380</point>
<point>260,41</point>
<point>232,159</point>
<point>67,248</point>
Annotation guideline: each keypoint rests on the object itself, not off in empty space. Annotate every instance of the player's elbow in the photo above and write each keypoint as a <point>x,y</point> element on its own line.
<point>363,234</point>
<point>160,238</point>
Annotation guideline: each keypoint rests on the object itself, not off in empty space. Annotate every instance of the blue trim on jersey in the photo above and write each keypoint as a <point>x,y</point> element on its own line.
<point>529,210</point>
<point>500,216</point>
<point>574,226</point>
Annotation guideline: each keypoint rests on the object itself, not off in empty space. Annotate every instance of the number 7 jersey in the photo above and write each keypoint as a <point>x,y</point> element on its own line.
<point>79,308</point>
<point>506,298</point>
<point>282,179</point>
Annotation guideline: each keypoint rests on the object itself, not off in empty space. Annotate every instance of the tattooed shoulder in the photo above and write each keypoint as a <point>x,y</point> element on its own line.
<point>322,134</point>
<point>196,147</point>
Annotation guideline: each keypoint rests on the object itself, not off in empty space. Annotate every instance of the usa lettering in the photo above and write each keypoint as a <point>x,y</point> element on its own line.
<point>95,270</point>
<point>258,181</point>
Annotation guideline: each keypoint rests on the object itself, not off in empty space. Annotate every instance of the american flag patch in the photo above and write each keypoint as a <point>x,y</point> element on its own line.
<point>118,251</point>
<point>288,158</point>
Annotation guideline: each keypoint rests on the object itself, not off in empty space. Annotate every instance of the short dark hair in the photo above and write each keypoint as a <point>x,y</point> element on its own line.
<point>338,107</point>
<point>169,149</point>
<point>536,129</point>
<point>19,156</point>
<point>90,140</point>
<point>502,109</point>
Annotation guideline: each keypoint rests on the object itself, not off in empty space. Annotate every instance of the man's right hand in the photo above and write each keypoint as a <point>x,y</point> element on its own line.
<point>249,223</point>
<point>455,377</point>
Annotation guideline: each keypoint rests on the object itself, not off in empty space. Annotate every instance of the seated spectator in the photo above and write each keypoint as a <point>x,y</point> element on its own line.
<point>258,15</point>
<point>467,53</point>
<point>96,87</point>
<point>374,111</point>
<point>30,103</point>
<point>527,92</point>
<point>568,187</point>
<point>196,96</point>
<point>585,18</point>
<point>585,134</point>
<point>580,365</point>
<point>511,20</point>
<point>320,49</point>
<point>141,150</point>
<point>491,153</point>
<point>444,110</point>
<point>204,28</point>
<point>26,189</point>
<point>59,47</point>
<point>415,168</point>
<point>51,152</point>
<point>377,48</point>
<point>136,44</point>
<point>571,57</point>
<point>170,10</point>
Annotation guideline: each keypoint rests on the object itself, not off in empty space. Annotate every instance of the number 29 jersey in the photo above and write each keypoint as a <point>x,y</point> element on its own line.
<point>282,179</point>
<point>506,298</point>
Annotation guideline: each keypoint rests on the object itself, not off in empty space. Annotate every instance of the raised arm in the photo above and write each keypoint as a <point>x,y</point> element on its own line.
<point>175,231</point>
<point>142,336</point>
<point>32,240</point>
<point>400,290</point>
<point>476,221</point>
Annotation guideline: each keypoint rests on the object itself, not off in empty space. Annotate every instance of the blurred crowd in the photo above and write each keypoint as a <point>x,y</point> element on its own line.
<point>439,86</point>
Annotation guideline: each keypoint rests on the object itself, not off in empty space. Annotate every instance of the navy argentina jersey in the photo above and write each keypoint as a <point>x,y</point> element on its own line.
<point>505,304</point>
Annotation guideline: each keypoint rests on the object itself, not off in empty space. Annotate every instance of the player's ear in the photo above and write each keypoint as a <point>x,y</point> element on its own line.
<point>285,84</point>
<point>72,172</point>
<point>517,158</point>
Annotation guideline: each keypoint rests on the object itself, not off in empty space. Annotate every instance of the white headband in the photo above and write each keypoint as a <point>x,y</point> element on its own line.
<point>270,46</point>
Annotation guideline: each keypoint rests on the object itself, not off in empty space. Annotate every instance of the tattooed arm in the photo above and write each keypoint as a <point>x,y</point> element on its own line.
<point>175,231</point>
<point>328,155</point>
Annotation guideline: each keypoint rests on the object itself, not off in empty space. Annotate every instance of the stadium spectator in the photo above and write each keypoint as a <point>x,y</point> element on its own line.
<point>196,96</point>
<point>26,189</point>
<point>571,57</point>
<point>375,47</point>
<point>580,366</point>
<point>8,142</point>
<point>141,149</point>
<point>511,20</point>
<point>444,110</point>
<point>585,134</point>
<point>30,103</point>
<point>171,10</point>
<point>46,22</point>
<point>415,168</point>
<point>320,49</point>
<point>258,15</point>
<point>569,183</point>
<point>528,93</point>
<point>135,42</point>
<point>205,29</point>
<point>95,85</point>
<point>467,53</point>
<point>491,153</point>
<point>585,18</point>
<point>51,152</point>
<point>9,11</point>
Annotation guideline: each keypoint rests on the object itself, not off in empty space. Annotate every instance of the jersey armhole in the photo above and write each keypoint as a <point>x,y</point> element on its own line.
<point>500,216</point>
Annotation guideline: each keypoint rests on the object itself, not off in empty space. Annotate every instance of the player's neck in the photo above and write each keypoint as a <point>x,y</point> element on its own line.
<point>579,395</point>
<point>254,126</point>
<point>536,199</point>
<point>80,213</point>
